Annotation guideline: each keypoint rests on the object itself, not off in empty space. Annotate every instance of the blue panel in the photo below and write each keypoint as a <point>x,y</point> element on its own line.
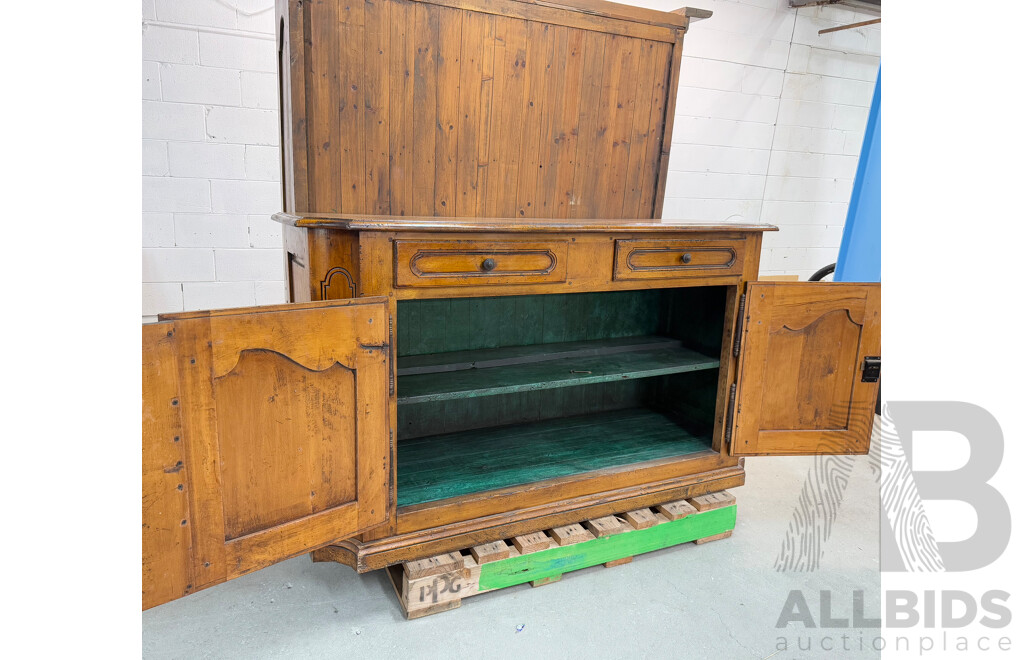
<point>860,254</point>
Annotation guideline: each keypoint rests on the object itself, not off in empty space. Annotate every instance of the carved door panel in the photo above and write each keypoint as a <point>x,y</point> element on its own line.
<point>805,383</point>
<point>265,435</point>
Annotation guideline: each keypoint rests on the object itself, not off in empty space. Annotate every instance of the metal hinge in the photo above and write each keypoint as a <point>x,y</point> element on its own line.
<point>391,472</point>
<point>729,416</point>
<point>391,355</point>
<point>738,333</point>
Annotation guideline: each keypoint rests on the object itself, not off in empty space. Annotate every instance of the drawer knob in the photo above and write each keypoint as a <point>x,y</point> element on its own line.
<point>488,264</point>
<point>686,258</point>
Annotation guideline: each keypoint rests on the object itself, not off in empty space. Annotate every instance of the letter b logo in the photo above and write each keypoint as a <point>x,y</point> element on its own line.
<point>907,543</point>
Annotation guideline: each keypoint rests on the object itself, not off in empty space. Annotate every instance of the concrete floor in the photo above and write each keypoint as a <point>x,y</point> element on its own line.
<point>719,600</point>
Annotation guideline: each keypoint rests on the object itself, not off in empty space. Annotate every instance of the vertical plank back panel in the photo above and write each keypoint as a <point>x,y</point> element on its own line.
<point>376,105</point>
<point>324,104</point>
<point>449,124</point>
<point>472,108</point>
<point>426,34</point>
<point>402,107</point>
<point>352,117</point>
<point>508,92</point>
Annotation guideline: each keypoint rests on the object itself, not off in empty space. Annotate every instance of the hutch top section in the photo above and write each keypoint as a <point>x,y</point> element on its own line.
<point>477,108</point>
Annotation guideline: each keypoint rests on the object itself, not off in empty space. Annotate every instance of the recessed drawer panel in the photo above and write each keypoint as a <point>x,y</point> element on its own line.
<point>474,263</point>
<point>668,258</point>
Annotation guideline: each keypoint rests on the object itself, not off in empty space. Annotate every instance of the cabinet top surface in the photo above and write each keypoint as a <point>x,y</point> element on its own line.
<point>392,223</point>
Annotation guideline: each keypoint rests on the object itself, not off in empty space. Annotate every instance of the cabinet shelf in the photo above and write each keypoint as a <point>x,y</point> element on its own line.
<point>467,374</point>
<point>442,466</point>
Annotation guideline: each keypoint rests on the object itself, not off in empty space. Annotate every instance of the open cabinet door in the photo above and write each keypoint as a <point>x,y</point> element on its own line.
<point>808,370</point>
<point>265,434</point>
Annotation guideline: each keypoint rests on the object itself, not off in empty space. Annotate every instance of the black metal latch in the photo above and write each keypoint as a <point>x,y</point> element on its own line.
<point>872,369</point>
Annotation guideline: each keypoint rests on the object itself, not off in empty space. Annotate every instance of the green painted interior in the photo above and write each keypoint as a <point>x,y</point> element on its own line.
<point>442,417</point>
<point>555,561</point>
<point>483,358</point>
<point>550,374</point>
<point>525,416</point>
<point>459,324</point>
<point>443,466</point>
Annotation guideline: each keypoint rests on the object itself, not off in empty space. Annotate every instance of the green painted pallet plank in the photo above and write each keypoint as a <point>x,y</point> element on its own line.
<point>441,466</point>
<point>551,374</point>
<point>556,561</point>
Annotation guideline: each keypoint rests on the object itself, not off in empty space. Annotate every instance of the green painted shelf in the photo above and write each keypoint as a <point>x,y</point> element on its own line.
<point>467,374</point>
<point>442,466</point>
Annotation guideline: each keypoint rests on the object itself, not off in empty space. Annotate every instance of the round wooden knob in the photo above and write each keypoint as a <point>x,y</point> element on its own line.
<point>687,258</point>
<point>488,264</point>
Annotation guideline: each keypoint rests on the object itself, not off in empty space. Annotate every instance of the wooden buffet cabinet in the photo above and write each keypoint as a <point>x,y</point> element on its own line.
<point>471,352</point>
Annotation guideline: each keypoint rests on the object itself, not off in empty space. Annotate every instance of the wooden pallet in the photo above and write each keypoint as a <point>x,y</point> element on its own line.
<point>437,584</point>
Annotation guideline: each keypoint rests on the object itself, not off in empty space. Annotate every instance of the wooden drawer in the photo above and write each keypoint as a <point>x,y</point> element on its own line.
<point>474,263</point>
<point>669,258</point>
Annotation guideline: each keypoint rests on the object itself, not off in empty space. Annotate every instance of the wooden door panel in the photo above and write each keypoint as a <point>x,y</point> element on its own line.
<point>800,388</point>
<point>826,352</point>
<point>283,442</point>
<point>293,468</point>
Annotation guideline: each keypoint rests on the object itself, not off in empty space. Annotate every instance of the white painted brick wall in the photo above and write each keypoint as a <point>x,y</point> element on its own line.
<point>189,83</point>
<point>157,230</point>
<point>211,230</point>
<point>210,155</point>
<point>769,123</point>
<point>242,125</point>
<point>248,265</point>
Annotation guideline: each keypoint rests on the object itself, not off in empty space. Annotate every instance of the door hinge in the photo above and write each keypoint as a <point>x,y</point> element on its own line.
<point>872,369</point>
<point>391,471</point>
<point>729,416</point>
<point>391,355</point>
<point>738,333</point>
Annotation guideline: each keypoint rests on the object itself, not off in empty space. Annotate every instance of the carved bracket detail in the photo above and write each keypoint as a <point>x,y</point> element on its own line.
<point>325,284</point>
